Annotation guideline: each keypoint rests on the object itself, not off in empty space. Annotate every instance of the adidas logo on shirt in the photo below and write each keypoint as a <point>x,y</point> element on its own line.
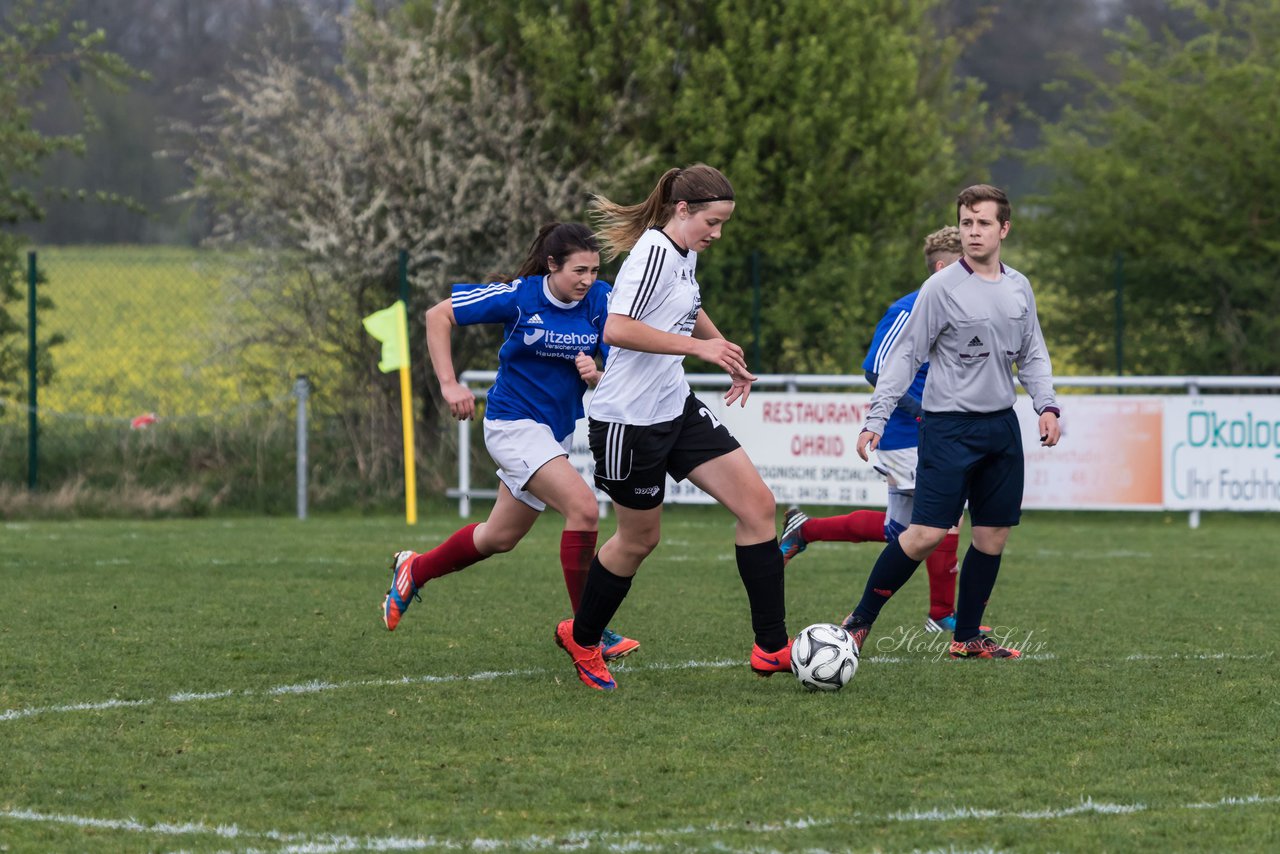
<point>975,341</point>
<point>537,318</point>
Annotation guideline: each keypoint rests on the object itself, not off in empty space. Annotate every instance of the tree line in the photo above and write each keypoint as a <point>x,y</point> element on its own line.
<point>1135,136</point>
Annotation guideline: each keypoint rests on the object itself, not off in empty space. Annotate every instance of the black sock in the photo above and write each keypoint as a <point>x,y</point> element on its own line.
<point>977,579</point>
<point>760,566</point>
<point>601,596</point>
<point>892,570</point>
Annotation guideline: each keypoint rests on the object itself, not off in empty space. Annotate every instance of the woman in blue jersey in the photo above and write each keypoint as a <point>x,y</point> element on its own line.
<point>646,424</point>
<point>553,314</point>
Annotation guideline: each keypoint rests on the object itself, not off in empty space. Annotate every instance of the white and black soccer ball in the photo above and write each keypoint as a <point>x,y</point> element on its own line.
<point>823,657</point>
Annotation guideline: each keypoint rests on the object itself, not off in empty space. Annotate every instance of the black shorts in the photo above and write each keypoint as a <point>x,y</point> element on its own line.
<point>977,456</point>
<point>632,462</point>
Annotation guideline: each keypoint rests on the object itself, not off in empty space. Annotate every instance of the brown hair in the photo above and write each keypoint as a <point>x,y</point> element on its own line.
<point>943,243</point>
<point>970,196</point>
<point>620,226</point>
<point>557,240</point>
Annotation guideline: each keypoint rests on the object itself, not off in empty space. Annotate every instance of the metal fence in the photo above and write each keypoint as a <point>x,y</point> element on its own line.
<point>1266,442</point>
<point>144,386</point>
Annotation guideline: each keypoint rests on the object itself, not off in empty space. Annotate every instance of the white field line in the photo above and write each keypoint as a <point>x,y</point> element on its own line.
<point>317,686</point>
<point>643,840</point>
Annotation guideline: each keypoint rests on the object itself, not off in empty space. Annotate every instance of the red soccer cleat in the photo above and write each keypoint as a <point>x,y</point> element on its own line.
<point>588,660</point>
<point>769,663</point>
<point>982,647</point>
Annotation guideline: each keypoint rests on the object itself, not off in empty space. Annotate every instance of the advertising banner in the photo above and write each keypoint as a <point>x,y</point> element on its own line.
<point>1118,452</point>
<point>804,446</point>
<point>1109,457</point>
<point>1222,452</point>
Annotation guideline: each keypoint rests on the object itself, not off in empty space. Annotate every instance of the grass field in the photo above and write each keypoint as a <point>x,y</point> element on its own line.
<point>227,685</point>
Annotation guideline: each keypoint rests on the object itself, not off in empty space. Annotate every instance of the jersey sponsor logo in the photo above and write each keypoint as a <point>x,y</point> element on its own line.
<point>553,340</point>
<point>536,319</point>
<point>685,327</point>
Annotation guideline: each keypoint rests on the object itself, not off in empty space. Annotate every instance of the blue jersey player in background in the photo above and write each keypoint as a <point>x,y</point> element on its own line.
<point>896,460</point>
<point>553,314</point>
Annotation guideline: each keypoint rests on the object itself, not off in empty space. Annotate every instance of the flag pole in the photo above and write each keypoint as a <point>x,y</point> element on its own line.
<point>406,414</point>
<point>391,327</point>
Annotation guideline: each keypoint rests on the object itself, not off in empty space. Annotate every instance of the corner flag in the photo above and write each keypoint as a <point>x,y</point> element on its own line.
<point>390,326</point>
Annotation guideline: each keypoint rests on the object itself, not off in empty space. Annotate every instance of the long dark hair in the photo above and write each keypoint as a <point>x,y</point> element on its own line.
<point>556,240</point>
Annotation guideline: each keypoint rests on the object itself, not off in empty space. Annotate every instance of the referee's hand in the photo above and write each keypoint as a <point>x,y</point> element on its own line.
<point>867,442</point>
<point>1050,429</point>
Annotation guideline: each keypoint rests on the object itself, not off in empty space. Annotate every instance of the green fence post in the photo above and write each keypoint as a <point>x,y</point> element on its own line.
<point>404,277</point>
<point>755,311</point>
<point>1119,277</point>
<point>33,425</point>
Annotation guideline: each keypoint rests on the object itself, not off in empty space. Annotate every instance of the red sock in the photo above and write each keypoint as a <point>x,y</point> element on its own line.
<point>457,552</point>
<point>860,526</point>
<point>942,577</point>
<point>576,550</point>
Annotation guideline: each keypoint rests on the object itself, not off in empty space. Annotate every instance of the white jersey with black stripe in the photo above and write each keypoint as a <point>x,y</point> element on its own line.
<point>656,285</point>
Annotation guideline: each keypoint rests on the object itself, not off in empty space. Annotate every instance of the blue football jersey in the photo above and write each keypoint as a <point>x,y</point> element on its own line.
<point>901,430</point>
<point>537,377</point>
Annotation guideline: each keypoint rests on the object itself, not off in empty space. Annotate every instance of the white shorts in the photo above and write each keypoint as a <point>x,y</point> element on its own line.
<point>520,448</point>
<point>898,467</point>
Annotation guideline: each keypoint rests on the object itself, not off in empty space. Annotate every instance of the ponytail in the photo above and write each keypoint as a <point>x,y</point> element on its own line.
<point>620,226</point>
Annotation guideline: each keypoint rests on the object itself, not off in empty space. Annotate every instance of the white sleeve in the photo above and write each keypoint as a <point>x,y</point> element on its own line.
<point>645,269</point>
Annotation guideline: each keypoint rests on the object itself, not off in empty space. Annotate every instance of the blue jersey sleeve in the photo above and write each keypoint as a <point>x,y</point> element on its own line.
<point>497,302</point>
<point>901,428</point>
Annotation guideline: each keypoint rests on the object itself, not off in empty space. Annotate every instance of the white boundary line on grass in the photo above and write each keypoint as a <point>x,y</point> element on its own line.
<point>319,686</point>
<point>323,843</point>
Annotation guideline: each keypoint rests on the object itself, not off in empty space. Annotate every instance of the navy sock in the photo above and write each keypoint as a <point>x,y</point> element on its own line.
<point>977,579</point>
<point>760,567</point>
<point>892,570</point>
<point>602,595</point>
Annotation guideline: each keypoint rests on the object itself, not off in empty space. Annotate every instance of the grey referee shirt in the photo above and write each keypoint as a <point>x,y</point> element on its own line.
<point>971,331</point>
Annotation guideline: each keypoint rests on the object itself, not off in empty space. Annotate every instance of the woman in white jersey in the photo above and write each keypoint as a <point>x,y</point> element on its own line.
<point>645,422</point>
<point>553,313</point>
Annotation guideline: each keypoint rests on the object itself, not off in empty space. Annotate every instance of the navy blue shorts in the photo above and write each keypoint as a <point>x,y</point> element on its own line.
<point>973,456</point>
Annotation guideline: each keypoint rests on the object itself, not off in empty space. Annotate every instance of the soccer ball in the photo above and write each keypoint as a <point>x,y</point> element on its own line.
<point>823,657</point>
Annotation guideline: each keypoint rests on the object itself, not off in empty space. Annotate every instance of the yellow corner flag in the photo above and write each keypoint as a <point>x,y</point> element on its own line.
<point>390,326</point>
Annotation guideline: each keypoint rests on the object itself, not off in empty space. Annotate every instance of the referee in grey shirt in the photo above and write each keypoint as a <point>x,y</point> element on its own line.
<point>972,322</point>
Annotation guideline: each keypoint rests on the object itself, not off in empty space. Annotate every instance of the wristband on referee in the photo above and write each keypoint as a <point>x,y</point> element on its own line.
<point>1055,410</point>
